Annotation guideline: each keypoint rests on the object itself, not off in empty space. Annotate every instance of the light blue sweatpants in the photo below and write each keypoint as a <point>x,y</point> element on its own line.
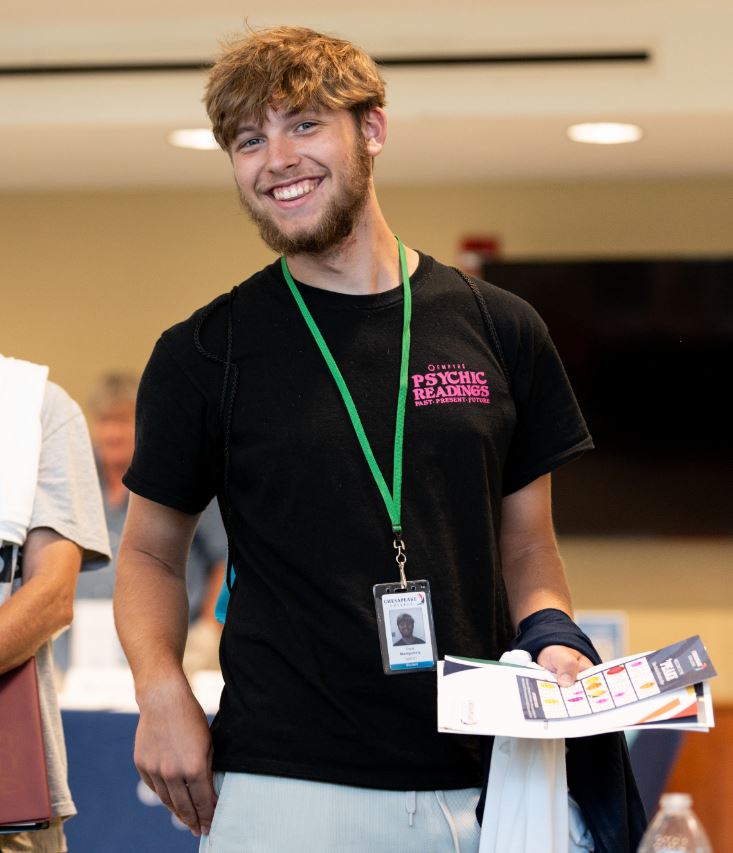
<point>272,814</point>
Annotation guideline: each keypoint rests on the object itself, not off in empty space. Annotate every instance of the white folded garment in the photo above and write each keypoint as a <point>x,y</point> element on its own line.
<point>528,809</point>
<point>22,387</point>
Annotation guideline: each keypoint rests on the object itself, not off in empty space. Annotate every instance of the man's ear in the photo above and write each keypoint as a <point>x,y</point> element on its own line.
<point>374,128</point>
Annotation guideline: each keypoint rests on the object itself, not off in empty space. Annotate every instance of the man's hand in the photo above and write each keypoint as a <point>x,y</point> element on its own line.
<point>173,753</point>
<point>565,663</point>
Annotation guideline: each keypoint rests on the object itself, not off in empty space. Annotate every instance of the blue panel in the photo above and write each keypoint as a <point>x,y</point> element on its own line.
<point>653,755</point>
<point>104,783</point>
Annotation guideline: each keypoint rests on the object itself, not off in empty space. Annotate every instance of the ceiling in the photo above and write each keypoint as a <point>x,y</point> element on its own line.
<point>466,123</point>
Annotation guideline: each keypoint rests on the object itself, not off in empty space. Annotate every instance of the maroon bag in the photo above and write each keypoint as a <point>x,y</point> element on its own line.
<point>25,803</point>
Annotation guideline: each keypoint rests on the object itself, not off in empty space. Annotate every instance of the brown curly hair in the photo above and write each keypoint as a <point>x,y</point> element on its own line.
<point>292,68</point>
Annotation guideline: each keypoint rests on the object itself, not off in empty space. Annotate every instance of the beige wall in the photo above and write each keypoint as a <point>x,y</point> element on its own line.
<point>670,588</point>
<point>90,279</point>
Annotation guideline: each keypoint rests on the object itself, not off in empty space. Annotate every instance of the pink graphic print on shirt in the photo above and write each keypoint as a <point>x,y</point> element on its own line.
<point>449,383</point>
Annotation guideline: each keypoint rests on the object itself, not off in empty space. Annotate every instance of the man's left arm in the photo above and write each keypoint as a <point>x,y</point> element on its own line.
<point>534,574</point>
<point>44,603</point>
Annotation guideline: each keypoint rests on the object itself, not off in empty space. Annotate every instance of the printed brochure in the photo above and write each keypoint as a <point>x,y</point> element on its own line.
<point>667,688</point>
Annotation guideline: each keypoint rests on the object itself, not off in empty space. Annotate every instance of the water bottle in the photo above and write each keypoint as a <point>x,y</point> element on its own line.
<point>675,827</point>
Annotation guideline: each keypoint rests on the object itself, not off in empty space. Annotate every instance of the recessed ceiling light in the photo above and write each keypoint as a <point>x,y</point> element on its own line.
<point>200,138</point>
<point>605,133</point>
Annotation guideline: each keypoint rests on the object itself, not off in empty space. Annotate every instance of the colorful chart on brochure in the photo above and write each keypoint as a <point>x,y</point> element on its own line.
<point>622,683</point>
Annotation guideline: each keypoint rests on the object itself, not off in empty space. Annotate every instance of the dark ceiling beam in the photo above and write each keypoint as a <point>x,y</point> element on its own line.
<point>564,58</point>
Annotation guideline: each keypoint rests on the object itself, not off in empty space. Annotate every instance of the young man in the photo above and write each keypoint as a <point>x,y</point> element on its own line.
<point>295,399</point>
<point>51,525</point>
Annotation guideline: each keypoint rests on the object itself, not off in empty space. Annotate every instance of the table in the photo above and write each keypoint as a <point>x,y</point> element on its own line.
<point>117,812</point>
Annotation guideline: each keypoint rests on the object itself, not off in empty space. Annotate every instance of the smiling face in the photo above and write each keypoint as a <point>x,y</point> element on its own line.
<point>304,178</point>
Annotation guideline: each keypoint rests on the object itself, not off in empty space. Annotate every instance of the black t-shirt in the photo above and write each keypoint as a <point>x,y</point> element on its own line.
<point>305,692</point>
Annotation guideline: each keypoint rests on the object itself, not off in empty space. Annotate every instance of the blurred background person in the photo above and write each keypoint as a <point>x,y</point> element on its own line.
<point>111,409</point>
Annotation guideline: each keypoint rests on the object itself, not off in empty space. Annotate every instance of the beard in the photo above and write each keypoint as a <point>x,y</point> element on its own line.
<point>337,220</point>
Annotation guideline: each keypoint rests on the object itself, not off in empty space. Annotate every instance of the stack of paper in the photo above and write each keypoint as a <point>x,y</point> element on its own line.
<point>663,689</point>
<point>94,688</point>
<point>207,685</point>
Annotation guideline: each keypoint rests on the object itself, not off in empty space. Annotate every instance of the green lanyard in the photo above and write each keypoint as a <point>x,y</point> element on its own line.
<point>393,501</point>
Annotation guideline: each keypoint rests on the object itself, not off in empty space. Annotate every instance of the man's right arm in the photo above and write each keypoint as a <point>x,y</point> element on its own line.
<point>173,745</point>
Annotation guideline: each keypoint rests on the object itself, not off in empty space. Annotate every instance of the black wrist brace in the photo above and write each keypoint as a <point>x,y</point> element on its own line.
<point>552,627</point>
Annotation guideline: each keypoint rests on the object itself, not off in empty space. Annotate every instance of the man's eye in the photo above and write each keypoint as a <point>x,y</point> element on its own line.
<point>249,143</point>
<point>306,125</point>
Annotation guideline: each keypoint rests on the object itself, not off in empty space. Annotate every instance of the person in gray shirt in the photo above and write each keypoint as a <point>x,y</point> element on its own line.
<point>66,533</point>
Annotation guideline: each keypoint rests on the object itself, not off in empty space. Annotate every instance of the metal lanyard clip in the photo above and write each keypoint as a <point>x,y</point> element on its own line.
<point>401,558</point>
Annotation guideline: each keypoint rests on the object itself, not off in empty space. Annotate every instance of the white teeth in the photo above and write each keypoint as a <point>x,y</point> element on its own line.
<point>294,190</point>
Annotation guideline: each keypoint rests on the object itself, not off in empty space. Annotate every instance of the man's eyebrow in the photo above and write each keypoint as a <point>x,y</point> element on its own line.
<point>246,128</point>
<point>253,127</point>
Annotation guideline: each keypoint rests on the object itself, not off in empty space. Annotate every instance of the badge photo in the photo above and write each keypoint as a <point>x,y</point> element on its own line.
<point>406,633</point>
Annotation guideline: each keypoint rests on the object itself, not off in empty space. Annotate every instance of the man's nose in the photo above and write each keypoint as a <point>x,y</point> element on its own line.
<point>281,154</point>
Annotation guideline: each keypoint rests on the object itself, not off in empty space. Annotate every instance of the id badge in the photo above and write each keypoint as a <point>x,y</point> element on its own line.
<point>405,623</point>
